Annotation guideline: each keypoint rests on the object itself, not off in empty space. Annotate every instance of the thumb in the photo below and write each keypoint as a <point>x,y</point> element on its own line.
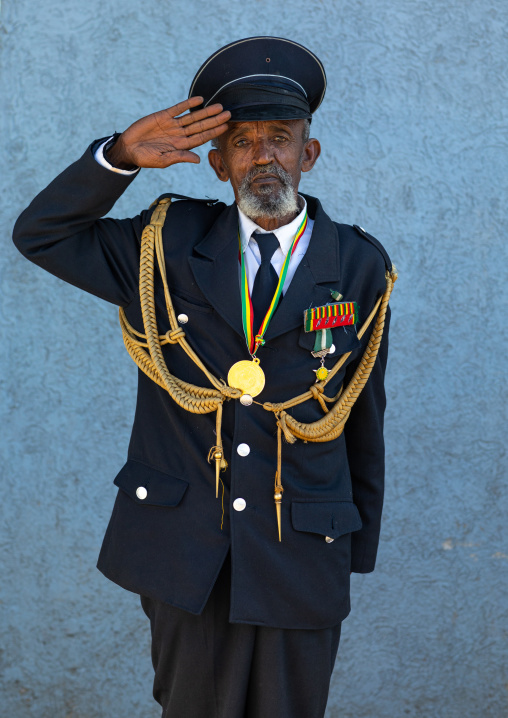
<point>184,156</point>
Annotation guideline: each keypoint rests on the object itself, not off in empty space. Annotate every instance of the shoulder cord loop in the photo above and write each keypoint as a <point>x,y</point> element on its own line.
<point>146,350</point>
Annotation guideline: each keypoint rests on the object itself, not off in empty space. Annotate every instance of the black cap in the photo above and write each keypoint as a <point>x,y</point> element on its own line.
<point>262,78</point>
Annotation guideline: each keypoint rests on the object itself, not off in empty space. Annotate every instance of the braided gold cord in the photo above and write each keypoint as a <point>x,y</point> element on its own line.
<point>144,361</point>
<point>177,332</point>
<point>191,398</point>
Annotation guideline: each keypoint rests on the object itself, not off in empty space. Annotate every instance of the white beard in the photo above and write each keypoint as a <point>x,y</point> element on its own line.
<point>269,202</point>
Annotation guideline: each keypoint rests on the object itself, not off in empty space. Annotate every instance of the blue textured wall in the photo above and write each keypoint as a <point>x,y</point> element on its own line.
<point>414,133</point>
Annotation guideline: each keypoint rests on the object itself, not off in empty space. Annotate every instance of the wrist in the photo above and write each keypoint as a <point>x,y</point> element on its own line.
<point>114,153</point>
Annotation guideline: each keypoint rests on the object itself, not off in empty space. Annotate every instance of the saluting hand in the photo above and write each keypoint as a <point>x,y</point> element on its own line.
<point>165,138</point>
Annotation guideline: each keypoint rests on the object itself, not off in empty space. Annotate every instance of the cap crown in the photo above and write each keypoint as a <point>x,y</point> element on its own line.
<point>262,78</point>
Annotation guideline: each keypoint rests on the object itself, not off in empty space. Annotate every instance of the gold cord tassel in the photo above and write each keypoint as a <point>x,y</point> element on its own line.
<point>217,452</point>
<point>217,456</point>
<point>278,485</point>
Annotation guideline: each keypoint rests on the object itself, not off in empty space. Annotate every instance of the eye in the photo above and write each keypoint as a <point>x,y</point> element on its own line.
<point>280,139</point>
<point>240,143</point>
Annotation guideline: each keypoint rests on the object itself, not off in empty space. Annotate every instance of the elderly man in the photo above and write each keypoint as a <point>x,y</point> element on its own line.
<point>258,331</point>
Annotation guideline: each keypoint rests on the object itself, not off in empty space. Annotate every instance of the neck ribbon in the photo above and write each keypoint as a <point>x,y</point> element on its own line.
<point>254,341</point>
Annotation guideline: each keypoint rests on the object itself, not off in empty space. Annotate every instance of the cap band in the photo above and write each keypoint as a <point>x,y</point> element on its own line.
<point>268,80</point>
<point>258,102</point>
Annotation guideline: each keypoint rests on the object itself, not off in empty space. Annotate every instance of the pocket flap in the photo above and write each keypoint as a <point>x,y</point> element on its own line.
<point>186,301</point>
<point>328,518</point>
<point>146,485</point>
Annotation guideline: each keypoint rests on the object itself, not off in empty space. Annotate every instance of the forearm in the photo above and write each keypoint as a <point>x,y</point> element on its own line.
<point>62,231</point>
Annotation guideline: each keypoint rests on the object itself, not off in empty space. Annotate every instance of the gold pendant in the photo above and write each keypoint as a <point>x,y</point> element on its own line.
<point>321,373</point>
<point>247,376</point>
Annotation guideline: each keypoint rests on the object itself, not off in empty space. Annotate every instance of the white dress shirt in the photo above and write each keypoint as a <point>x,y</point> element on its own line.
<point>248,229</point>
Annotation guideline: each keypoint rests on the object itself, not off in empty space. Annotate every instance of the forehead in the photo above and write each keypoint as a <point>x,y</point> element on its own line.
<point>261,127</point>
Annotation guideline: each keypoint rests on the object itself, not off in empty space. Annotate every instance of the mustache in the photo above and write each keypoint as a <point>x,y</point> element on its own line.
<point>283,176</point>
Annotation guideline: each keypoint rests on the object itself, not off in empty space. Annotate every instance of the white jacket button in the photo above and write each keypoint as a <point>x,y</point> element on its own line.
<point>243,449</point>
<point>239,504</point>
<point>141,492</point>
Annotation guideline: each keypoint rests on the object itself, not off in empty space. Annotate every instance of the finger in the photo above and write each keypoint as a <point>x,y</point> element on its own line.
<point>208,124</point>
<point>212,111</point>
<point>167,118</point>
<point>202,137</point>
<point>184,106</point>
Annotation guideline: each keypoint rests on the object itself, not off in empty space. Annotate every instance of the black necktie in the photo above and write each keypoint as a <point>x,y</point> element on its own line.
<point>266,279</point>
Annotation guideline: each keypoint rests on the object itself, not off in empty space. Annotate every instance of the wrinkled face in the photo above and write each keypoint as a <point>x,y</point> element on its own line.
<point>264,161</point>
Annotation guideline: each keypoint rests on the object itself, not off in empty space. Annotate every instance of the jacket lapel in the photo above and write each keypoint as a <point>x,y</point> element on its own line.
<point>215,268</point>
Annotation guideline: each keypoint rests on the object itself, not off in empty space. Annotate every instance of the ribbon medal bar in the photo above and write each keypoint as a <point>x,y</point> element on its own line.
<point>329,316</point>
<point>322,320</point>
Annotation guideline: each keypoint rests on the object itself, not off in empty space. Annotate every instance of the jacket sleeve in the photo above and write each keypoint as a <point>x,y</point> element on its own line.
<point>366,457</point>
<point>62,231</point>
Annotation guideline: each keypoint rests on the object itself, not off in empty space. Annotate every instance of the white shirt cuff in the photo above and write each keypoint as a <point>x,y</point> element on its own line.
<point>99,156</point>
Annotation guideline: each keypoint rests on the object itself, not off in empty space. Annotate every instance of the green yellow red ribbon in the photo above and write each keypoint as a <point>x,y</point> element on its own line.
<point>254,341</point>
<point>330,315</point>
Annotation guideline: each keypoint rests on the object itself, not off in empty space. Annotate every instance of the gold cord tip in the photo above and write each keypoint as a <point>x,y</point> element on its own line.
<point>217,477</point>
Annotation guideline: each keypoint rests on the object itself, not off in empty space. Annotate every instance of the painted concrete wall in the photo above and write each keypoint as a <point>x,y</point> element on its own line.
<point>414,133</point>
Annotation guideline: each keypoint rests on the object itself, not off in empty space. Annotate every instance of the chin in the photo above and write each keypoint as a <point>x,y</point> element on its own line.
<point>276,207</point>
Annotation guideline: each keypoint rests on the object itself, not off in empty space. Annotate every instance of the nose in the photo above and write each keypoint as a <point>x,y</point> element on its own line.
<point>262,154</point>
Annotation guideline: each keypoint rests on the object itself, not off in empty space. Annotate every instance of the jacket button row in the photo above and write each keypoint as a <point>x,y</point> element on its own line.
<point>243,449</point>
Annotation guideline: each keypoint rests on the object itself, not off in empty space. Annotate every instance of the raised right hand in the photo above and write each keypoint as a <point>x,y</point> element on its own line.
<point>165,138</point>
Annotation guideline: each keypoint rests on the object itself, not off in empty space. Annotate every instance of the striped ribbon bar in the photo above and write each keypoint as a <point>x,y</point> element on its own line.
<point>339,314</point>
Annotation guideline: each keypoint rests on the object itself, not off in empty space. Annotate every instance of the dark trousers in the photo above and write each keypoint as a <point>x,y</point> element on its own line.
<point>206,667</point>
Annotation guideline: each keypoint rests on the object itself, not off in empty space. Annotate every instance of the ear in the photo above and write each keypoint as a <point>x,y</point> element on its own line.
<point>217,163</point>
<point>311,152</point>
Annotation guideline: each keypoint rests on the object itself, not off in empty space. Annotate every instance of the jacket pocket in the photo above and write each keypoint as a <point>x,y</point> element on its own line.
<point>146,485</point>
<point>327,518</point>
<point>189,303</point>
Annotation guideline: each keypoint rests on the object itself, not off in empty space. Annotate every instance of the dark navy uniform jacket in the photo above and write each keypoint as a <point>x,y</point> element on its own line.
<point>170,545</point>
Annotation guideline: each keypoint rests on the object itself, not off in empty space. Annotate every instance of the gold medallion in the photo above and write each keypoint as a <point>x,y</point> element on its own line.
<point>321,373</point>
<point>247,376</point>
